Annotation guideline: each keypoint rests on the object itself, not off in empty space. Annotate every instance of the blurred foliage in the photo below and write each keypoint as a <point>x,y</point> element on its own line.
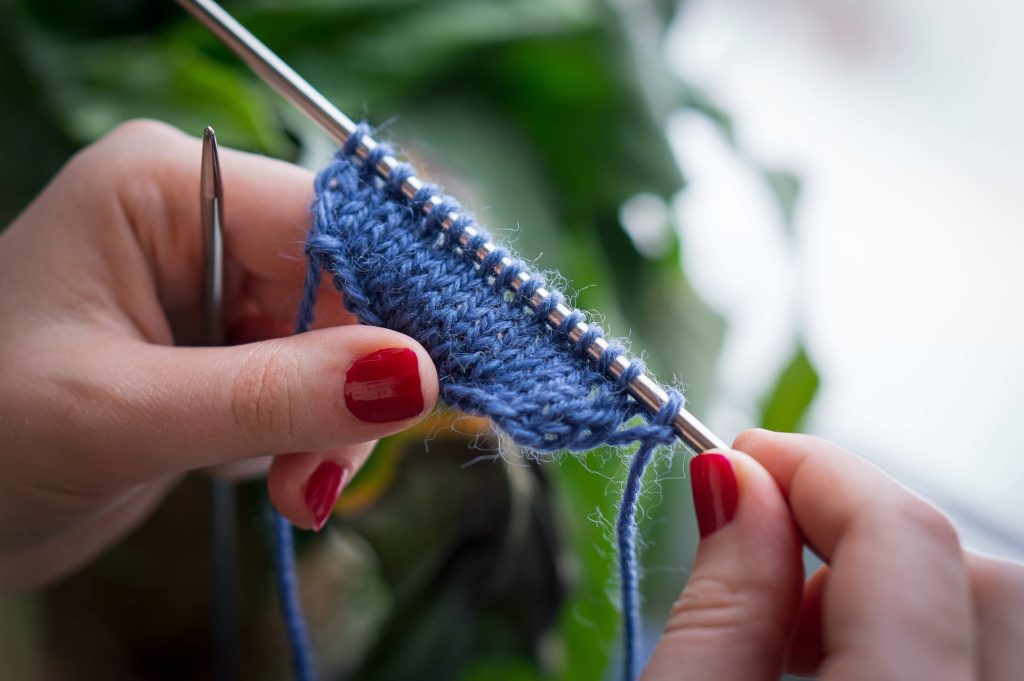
<point>547,114</point>
<point>786,188</point>
<point>784,407</point>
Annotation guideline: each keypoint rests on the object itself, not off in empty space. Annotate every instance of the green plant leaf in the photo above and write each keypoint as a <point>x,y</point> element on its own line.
<point>785,406</point>
<point>785,187</point>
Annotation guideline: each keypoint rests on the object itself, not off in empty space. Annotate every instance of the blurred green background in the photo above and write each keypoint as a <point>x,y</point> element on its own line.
<point>546,117</point>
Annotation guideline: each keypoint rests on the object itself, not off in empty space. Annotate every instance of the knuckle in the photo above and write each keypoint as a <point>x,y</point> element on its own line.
<point>264,393</point>
<point>710,606</point>
<point>117,154</point>
<point>926,521</point>
<point>140,129</point>
<point>747,439</point>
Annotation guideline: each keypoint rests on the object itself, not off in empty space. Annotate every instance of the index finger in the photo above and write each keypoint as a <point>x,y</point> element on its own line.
<point>154,170</point>
<point>897,601</point>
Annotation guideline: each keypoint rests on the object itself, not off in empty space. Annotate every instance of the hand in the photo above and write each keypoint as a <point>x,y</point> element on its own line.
<point>102,277</point>
<point>899,598</point>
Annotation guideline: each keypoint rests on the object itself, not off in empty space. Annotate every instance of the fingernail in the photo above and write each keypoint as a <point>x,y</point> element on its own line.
<point>715,492</point>
<point>384,386</point>
<point>322,490</point>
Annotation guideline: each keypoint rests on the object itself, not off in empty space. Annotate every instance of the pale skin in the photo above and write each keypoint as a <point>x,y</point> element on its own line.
<point>898,599</point>
<point>104,411</point>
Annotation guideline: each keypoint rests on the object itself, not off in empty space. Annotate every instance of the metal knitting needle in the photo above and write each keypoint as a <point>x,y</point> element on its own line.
<point>211,212</point>
<point>222,491</point>
<point>340,127</point>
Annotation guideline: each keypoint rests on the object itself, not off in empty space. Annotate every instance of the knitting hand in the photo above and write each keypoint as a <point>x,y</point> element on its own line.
<point>899,598</point>
<point>102,277</point>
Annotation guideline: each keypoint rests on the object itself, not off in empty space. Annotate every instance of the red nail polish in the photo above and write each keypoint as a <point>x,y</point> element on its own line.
<point>322,490</point>
<point>384,386</point>
<point>715,492</point>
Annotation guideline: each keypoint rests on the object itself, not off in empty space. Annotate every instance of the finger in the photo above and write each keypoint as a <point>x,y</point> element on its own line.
<point>280,300</point>
<point>896,604</point>
<point>267,215</point>
<point>268,310</point>
<point>50,559</point>
<point>133,201</point>
<point>997,587</point>
<point>153,171</point>
<point>241,471</point>
<point>736,614</point>
<point>195,407</point>
<point>305,487</point>
<point>806,650</point>
<point>250,324</point>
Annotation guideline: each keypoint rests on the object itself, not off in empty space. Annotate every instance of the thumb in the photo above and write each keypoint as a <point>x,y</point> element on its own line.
<point>196,407</point>
<point>736,614</point>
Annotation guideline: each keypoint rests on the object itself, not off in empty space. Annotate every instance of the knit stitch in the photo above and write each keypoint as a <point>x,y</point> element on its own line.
<point>399,268</point>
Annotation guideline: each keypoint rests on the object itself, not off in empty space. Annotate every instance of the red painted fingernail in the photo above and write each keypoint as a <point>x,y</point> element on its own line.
<point>384,386</point>
<point>322,490</point>
<point>715,492</point>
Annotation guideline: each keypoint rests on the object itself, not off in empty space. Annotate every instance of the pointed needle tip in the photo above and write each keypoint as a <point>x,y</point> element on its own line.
<point>210,183</point>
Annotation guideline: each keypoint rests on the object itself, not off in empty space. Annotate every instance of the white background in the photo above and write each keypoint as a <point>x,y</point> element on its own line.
<point>904,123</point>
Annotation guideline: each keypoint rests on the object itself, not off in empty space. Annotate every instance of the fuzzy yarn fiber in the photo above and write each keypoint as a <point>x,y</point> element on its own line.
<point>495,357</point>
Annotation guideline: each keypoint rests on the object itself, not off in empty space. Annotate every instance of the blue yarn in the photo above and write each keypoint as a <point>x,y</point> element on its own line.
<point>625,534</point>
<point>303,664</point>
<point>495,357</point>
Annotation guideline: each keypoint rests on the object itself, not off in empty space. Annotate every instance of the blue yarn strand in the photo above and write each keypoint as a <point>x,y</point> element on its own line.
<point>303,664</point>
<point>399,269</point>
<point>625,532</point>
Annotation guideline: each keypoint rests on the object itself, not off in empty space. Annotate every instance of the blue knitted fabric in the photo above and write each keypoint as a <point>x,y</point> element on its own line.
<point>495,357</point>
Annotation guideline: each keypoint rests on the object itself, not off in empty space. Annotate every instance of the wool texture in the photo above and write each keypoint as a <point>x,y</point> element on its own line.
<point>397,267</point>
